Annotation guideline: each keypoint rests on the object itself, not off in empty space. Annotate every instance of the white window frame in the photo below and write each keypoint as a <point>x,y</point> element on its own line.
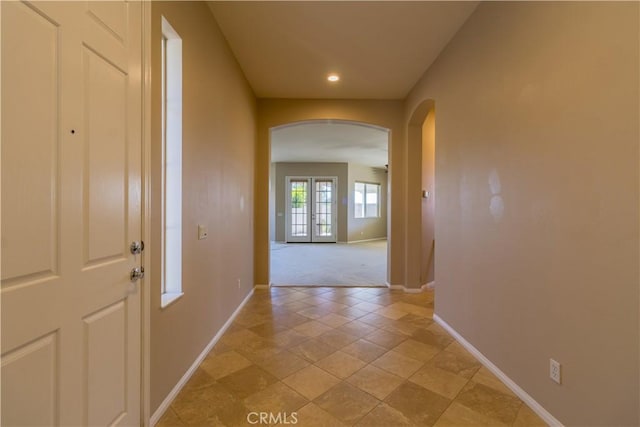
<point>171,165</point>
<point>365,211</point>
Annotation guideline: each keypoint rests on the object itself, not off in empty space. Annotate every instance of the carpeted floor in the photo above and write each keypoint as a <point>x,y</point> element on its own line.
<point>334,264</point>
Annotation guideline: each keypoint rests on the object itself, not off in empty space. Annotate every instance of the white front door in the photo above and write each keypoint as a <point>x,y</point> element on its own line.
<point>311,209</point>
<point>71,206</point>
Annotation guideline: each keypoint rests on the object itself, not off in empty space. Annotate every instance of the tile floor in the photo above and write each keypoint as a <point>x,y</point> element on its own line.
<point>342,357</point>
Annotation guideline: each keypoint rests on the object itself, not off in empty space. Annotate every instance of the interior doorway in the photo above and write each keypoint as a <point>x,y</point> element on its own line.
<point>318,170</point>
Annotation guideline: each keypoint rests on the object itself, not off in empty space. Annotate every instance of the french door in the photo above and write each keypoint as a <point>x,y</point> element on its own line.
<point>311,209</point>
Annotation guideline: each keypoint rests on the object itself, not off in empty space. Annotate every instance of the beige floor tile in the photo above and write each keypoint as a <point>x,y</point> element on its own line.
<point>375,381</point>
<point>289,338</point>
<point>200,379</point>
<point>527,418</point>
<point>346,402</point>
<point>412,308</point>
<point>334,320</point>
<point>221,365</point>
<point>247,381</point>
<point>460,365</point>
<point>440,381</point>
<point>428,337</point>
<point>170,419</point>
<point>489,402</point>
<point>374,319</point>
<point>400,327</point>
<point>391,313</point>
<point>312,328</point>
<point>457,415</point>
<point>484,376</point>
<point>421,406</point>
<point>312,415</point>
<point>367,306</point>
<point>313,350</point>
<point>457,348</point>
<point>397,364</point>
<point>416,350</point>
<point>267,329</point>
<point>337,339</point>
<point>314,312</point>
<point>340,364</point>
<point>384,415</point>
<point>238,338</point>
<point>364,350</point>
<point>259,352</point>
<point>357,328</point>
<point>284,364</point>
<point>278,397</point>
<point>352,313</point>
<point>213,405</point>
<point>385,339</point>
<point>311,381</point>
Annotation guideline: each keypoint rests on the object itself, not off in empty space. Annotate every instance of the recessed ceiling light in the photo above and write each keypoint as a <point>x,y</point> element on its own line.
<point>333,77</point>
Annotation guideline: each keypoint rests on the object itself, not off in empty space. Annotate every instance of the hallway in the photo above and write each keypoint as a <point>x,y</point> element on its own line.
<point>342,357</point>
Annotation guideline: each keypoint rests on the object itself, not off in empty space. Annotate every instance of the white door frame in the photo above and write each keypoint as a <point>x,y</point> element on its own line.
<point>311,237</point>
<point>145,315</point>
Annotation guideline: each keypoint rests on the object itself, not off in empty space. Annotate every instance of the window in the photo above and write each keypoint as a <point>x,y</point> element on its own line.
<point>171,164</point>
<point>366,200</point>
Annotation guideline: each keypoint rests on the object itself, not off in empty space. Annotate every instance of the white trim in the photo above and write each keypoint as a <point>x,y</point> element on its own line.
<point>145,285</point>
<point>523,395</point>
<point>367,240</point>
<point>187,375</point>
<point>430,285</point>
<point>419,290</point>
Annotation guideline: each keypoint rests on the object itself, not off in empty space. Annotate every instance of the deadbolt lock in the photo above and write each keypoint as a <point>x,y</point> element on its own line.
<point>137,247</point>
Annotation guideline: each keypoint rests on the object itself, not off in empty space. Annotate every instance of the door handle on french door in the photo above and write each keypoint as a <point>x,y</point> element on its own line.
<point>136,274</point>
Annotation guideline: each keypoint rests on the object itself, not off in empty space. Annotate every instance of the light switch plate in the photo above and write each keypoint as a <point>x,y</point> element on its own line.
<point>203,232</point>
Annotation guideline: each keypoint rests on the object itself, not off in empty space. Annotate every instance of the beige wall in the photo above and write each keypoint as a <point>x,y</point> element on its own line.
<point>218,161</point>
<point>283,170</point>
<point>367,228</point>
<point>278,112</point>
<point>427,266</point>
<point>537,199</point>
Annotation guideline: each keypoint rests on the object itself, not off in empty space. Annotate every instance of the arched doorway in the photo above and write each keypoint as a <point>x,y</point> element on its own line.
<point>420,266</point>
<point>349,159</point>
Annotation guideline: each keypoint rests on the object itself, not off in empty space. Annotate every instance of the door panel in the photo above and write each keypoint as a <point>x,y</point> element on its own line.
<point>30,160</point>
<point>311,209</point>
<point>71,163</point>
<point>323,216</point>
<point>34,367</point>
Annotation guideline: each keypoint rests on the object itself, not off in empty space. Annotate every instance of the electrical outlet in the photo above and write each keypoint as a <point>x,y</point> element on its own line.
<point>555,371</point>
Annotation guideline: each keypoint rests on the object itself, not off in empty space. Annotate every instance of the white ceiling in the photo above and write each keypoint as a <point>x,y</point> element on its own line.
<point>380,48</point>
<point>330,141</point>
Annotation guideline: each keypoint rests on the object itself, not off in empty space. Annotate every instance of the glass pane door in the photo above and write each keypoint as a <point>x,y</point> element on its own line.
<point>323,210</point>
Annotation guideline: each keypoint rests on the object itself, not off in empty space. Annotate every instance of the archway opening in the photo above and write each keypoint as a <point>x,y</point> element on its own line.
<point>328,183</point>
<point>421,263</point>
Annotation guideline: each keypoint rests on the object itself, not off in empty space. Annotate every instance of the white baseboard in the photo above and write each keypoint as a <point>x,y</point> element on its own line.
<point>430,285</point>
<point>523,395</point>
<point>367,240</point>
<point>187,375</point>
<point>409,290</point>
